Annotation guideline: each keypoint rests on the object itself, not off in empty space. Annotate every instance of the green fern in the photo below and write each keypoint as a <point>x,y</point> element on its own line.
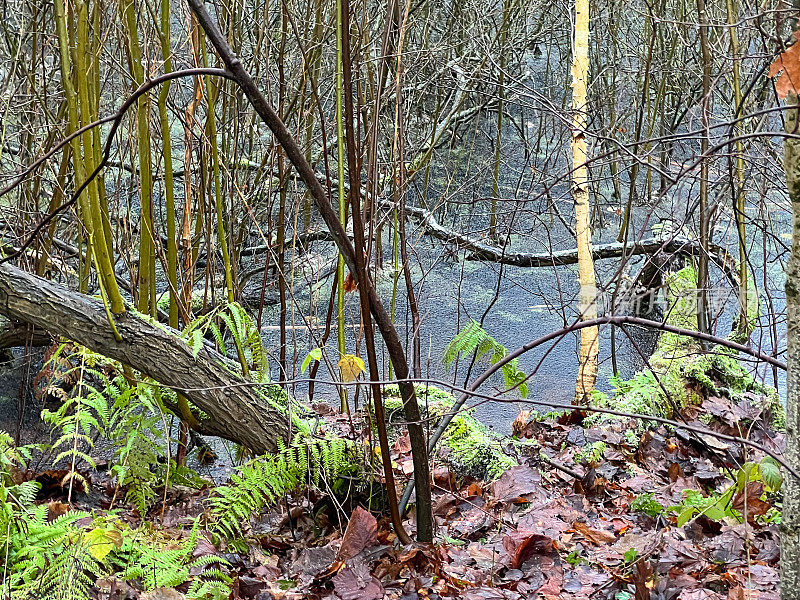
<point>62,559</point>
<point>243,332</point>
<point>265,480</point>
<point>48,560</point>
<point>131,417</point>
<point>81,413</point>
<point>158,561</point>
<point>474,338</point>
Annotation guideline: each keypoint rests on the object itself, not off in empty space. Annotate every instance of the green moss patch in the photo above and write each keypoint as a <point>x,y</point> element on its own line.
<point>467,446</point>
<point>682,373</point>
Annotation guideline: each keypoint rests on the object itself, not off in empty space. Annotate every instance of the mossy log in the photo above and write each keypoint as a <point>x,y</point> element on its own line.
<point>679,372</point>
<point>237,411</point>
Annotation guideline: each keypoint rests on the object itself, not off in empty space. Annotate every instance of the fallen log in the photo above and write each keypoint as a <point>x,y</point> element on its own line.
<point>14,334</point>
<point>236,411</point>
<point>559,258</point>
<point>481,251</point>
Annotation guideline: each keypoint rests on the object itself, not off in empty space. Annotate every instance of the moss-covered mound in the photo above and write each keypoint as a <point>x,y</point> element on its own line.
<point>682,373</point>
<point>467,446</point>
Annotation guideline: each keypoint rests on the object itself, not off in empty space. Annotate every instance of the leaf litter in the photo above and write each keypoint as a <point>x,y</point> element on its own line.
<point>672,517</point>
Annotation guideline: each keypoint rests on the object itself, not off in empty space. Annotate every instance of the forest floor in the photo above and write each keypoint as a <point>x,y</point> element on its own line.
<point>632,510</point>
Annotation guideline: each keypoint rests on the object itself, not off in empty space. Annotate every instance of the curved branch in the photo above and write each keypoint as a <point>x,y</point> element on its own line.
<point>560,334</point>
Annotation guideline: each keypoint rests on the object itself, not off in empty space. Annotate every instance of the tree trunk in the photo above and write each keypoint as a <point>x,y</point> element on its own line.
<point>236,411</point>
<point>790,526</point>
<point>587,367</point>
<point>703,309</point>
<point>394,348</point>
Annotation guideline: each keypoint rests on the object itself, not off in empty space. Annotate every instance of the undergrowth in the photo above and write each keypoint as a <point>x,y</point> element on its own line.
<point>63,557</point>
<point>468,446</point>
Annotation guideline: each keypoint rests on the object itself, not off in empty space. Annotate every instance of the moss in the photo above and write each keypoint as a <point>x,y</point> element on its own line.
<point>640,395</point>
<point>591,453</point>
<point>467,445</point>
<point>474,450</point>
<point>681,373</point>
<point>197,300</point>
<point>681,299</point>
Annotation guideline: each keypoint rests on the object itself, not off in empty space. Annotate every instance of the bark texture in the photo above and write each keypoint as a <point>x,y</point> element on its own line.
<point>236,411</point>
<point>790,525</point>
<point>587,366</point>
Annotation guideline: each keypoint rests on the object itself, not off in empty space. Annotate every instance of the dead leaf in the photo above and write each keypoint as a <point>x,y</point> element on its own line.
<point>674,472</point>
<point>313,561</point>
<point>483,593</point>
<point>403,444</point>
<point>749,499</point>
<point>350,284</point>
<point>521,544</point>
<point>595,536</point>
<point>444,478</point>
<point>787,67</point>
<point>55,509</point>
<point>420,557</point>
<point>204,547</point>
<point>740,593</point>
<point>55,482</point>
<point>552,587</point>
<point>357,584</point>
<point>361,532</point>
<point>474,489</point>
<point>516,483</point>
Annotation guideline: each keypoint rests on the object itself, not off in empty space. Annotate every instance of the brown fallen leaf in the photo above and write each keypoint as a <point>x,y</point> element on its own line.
<point>674,472</point>
<point>740,593</point>
<point>55,509</point>
<point>403,444</point>
<point>444,478</point>
<point>787,67</point>
<point>204,547</point>
<point>521,544</point>
<point>361,532</point>
<point>749,499</point>
<point>483,593</point>
<point>595,536</point>
<point>56,482</point>
<point>552,587</point>
<point>517,482</point>
<point>420,557</point>
<point>357,584</point>
<point>474,489</point>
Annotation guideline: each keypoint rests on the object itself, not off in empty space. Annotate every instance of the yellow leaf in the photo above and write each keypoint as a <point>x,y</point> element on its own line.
<point>102,541</point>
<point>351,367</point>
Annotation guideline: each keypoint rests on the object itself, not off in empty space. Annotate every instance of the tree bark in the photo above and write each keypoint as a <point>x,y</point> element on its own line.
<point>587,365</point>
<point>237,412</point>
<point>394,348</point>
<point>790,525</point>
<point>703,309</point>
